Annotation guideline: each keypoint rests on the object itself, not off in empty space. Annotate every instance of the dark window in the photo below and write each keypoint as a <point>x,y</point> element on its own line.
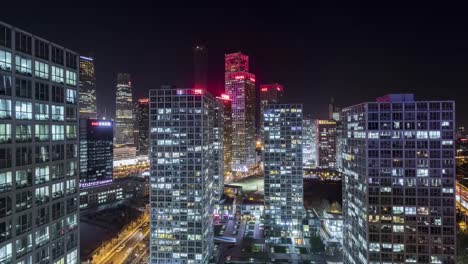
<point>58,94</point>
<point>41,49</point>
<point>5,158</point>
<point>42,91</point>
<point>5,36</point>
<point>5,84</point>
<point>71,60</point>
<point>23,88</point>
<point>23,42</point>
<point>57,55</point>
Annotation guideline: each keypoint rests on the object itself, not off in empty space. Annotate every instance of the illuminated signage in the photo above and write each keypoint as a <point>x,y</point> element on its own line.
<point>101,123</point>
<point>264,89</point>
<point>225,97</point>
<point>198,91</point>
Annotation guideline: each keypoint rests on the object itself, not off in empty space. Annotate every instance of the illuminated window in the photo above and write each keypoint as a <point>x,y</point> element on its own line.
<point>23,65</point>
<point>23,110</point>
<point>23,133</point>
<point>57,74</point>
<point>5,133</point>
<point>41,70</point>
<point>42,175</point>
<point>58,113</point>
<point>6,253</point>
<point>71,96</point>
<point>58,132</point>
<point>5,60</point>
<point>71,77</point>
<point>5,109</point>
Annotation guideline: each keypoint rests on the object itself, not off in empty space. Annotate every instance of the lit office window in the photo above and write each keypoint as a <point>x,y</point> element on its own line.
<point>5,133</point>
<point>42,175</point>
<point>41,70</point>
<point>71,96</point>
<point>23,65</point>
<point>5,60</point>
<point>5,109</point>
<point>23,133</point>
<point>58,113</point>
<point>42,132</point>
<point>58,132</point>
<point>57,74</point>
<point>23,110</point>
<point>71,77</point>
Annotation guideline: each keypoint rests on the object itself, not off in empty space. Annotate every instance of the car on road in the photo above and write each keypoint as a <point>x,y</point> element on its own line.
<point>234,232</point>
<point>120,248</point>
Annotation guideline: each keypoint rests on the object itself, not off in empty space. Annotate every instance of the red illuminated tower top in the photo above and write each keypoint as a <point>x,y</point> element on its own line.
<point>271,93</point>
<point>236,62</point>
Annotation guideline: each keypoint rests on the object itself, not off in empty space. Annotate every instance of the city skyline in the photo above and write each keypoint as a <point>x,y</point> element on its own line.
<point>367,52</point>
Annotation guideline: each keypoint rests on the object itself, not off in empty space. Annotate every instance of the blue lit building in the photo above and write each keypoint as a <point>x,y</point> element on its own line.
<point>284,208</point>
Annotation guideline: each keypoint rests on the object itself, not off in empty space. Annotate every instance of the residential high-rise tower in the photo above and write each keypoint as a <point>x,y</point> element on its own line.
<point>39,150</point>
<point>399,181</point>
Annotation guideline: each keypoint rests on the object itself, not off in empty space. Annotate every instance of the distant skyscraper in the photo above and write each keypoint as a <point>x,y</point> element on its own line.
<point>200,57</point>
<point>87,85</point>
<point>326,143</point>
<point>183,155</point>
<point>269,94</point>
<point>284,207</point>
<point>39,150</point>
<point>309,141</point>
<point>96,152</point>
<point>225,100</point>
<point>142,119</point>
<point>399,181</point>
<point>124,110</point>
<point>240,86</point>
<point>218,143</point>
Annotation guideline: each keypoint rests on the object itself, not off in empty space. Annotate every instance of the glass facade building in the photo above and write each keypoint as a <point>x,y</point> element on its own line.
<point>399,181</point>
<point>142,126</point>
<point>326,143</point>
<point>183,154</point>
<point>87,88</point>
<point>225,101</point>
<point>240,86</point>
<point>96,152</point>
<point>124,123</point>
<point>309,141</point>
<point>38,150</point>
<point>284,208</point>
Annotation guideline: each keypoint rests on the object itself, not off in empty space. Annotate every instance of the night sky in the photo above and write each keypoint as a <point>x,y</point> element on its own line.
<point>350,53</point>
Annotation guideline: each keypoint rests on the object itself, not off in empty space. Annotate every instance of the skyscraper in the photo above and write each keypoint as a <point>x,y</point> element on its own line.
<point>124,110</point>
<point>225,100</point>
<point>96,152</point>
<point>218,133</point>
<point>269,94</point>
<point>200,57</point>
<point>326,143</point>
<point>284,206</point>
<point>182,175</point>
<point>87,85</point>
<point>142,125</point>
<point>309,141</point>
<point>38,151</point>
<point>240,86</point>
<point>399,181</point>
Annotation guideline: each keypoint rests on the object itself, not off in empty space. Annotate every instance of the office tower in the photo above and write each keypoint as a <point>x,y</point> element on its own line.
<point>240,86</point>
<point>283,171</point>
<point>398,181</point>
<point>269,94</point>
<point>225,100</point>
<point>124,111</point>
<point>87,85</point>
<point>200,57</point>
<point>218,133</point>
<point>182,170</point>
<point>309,141</point>
<point>326,143</point>
<point>142,126</point>
<point>96,152</point>
<point>38,150</point>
